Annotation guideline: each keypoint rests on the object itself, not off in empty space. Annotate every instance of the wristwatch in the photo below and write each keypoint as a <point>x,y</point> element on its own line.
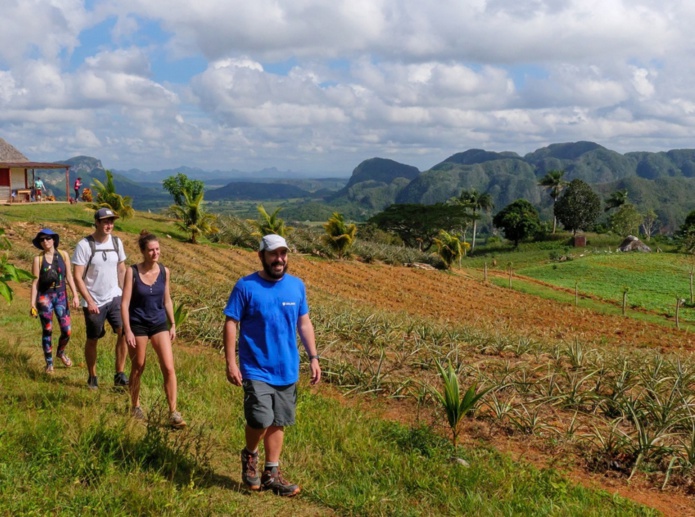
<point>312,357</point>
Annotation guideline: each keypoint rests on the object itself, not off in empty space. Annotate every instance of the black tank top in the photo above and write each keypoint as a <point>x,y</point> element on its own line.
<point>57,269</point>
<point>147,301</point>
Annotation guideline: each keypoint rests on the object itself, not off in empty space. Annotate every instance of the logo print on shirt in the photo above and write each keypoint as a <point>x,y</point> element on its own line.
<point>288,303</point>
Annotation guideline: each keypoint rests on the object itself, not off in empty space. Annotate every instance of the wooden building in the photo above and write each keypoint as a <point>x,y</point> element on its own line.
<point>17,174</point>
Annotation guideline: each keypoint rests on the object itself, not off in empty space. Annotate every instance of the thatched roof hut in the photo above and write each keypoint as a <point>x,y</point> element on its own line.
<point>10,154</point>
<point>17,172</point>
<point>632,243</point>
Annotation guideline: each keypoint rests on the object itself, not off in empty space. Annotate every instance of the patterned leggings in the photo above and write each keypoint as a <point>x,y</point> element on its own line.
<point>46,304</point>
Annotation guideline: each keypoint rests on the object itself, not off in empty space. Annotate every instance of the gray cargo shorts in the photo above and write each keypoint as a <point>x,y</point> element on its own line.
<point>266,404</point>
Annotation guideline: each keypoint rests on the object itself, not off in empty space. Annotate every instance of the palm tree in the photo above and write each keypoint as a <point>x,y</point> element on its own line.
<point>339,235</point>
<point>616,199</point>
<point>192,218</point>
<point>270,223</point>
<point>449,247</point>
<point>554,184</point>
<point>476,202</point>
<point>108,198</point>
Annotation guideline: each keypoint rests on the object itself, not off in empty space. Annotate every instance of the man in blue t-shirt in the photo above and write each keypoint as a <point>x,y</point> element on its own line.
<point>269,307</point>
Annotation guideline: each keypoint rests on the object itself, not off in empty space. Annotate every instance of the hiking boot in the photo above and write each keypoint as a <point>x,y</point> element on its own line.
<point>249,469</point>
<point>120,380</point>
<point>137,413</point>
<point>176,420</point>
<point>92,383</point>
<point>272,480</point>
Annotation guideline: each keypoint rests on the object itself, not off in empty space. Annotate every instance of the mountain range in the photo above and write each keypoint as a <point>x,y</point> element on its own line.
<point>659,181</point>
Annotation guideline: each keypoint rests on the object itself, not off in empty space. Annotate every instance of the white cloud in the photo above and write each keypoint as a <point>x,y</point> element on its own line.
<point>320,84</point>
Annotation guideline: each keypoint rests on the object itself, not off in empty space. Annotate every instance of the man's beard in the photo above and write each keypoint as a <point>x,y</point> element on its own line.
<point>271,273</point>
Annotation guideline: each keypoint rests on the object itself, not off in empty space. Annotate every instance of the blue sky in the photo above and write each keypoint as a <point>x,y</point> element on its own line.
<point>315,86</point>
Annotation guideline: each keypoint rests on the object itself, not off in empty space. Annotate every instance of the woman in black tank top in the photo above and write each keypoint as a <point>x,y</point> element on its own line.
<point>148,315</point>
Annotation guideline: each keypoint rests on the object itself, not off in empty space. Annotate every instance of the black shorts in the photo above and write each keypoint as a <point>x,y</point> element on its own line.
<point>140,329</point>
<point>110,312</point>
<point>266,405</point>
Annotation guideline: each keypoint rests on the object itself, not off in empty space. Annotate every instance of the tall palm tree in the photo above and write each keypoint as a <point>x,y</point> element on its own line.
<point>106,197</point>
<point>554,184</point>
<point>476,202</point>
<point>270,223</point>
<point>192,217</point>
<point>339,235</point>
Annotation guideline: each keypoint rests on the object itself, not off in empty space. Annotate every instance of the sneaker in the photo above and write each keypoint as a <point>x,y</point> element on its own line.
<point>120,380</point>
<point>272,480</point>
<point>92,383</point>
<point>176,420</point>
<point>249,469</point>
<point>137,413</point>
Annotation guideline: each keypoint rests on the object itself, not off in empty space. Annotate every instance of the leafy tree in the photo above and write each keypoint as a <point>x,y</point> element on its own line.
<point>475,202</point>
<point>626,220</point>
<point>107,197</point>
<point>418,225</point>
<point>518,220</point>
<point>270,223</point>
<point>9,272</point>
<point>686,234</point>
<point>650,224</point>
<point>339,235</point>
<point>579,206</point>
<point>449,248</point>
<point>554,184</point>
<point>175,185</point>
<point>616,200</point>
<point>192,217</point>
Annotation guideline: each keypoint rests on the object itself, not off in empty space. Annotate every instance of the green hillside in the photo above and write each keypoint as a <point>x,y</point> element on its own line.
<point>65,450</point>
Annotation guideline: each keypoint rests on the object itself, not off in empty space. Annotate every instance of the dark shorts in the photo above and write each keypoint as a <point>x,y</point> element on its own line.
<point>266,405</point>
<point>110,312</point>
<point>140,329</point>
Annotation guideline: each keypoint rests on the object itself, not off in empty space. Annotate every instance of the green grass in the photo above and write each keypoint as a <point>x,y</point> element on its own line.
<point>654,279</point>
<point>66,450</point>
<point>48,214</point>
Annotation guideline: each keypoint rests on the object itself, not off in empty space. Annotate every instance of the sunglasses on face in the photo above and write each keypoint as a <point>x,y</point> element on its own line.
<point>45,238</point>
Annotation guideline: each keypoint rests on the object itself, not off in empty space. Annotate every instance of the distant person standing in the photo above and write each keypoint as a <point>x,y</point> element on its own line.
<point>77,186</point>
<point>270,307</point>
<point>148,315</point>
<point>51,270</point>
<point>39,187</point>
<point>99,261</point>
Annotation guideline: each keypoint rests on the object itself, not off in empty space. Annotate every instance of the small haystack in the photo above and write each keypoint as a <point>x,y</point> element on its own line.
<point>632,243</point>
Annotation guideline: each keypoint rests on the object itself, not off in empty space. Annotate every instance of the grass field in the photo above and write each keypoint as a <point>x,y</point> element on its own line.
<point>66,450</point>
<point>654,280</point>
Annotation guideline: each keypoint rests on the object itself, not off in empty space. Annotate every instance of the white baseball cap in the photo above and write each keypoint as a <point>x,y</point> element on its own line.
<point>272,242</point>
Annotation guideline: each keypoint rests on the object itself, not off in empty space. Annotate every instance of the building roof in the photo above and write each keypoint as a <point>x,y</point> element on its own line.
<point>10,154</point>
<point>10,158</point>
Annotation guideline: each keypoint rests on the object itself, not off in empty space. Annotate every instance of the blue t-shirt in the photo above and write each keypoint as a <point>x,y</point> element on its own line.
<point>268,312</point>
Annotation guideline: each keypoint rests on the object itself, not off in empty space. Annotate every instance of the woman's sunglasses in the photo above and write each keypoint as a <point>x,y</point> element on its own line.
<point>45,238</point>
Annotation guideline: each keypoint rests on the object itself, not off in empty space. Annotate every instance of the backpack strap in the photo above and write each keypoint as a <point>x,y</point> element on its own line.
<point>93,248</point>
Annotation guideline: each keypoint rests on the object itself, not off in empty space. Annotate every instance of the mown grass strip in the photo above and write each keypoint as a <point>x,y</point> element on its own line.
<point>549,293</point>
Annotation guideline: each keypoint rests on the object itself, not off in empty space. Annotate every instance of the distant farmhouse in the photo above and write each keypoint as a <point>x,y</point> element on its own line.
<point>17,174</point>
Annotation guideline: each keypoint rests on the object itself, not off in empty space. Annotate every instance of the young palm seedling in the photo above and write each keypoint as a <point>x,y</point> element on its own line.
<point>453,404</point>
